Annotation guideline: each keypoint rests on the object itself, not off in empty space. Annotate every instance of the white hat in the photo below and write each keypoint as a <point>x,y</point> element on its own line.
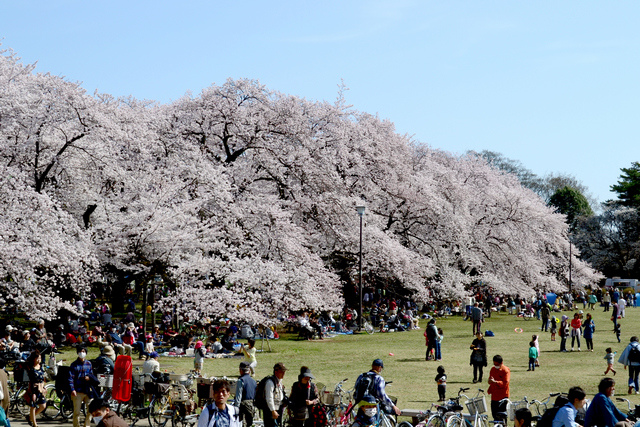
<point>9,328</point>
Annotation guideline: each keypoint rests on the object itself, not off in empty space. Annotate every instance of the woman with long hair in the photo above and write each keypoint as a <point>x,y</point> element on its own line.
<point>36,391</point>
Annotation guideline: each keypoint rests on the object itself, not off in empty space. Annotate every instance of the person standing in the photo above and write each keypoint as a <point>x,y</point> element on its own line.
<point>622,305</point>
<point>245,393</point>
<point>606,300</point>
<point>566,415</point>
<point>218,413</point>
<point>4,386</point>
<point>376,387</point>
<point>576,331</point>
<point>593,299</point>
<point>36,390</point>
<point>614,315</point>
<point>589,329</point>
<point>431,334</point>
<point>533,356</point>
<point>304,394</point>
<point>602,412</point>
<point>478,357</point>
<point>441,380</point>
<point>476,317</point>
<point>274,394</point>
<point>499,379</point>
<point>630,358</point>
<point>565,330</point>
<point>544,314</point>
<point>80,373</point>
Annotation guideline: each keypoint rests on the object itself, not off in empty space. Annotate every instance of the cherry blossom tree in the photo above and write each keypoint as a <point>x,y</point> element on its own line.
<point>244,198</point>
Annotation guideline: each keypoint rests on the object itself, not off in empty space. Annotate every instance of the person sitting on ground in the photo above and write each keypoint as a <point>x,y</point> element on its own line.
<point>103,416</point>
<point>602,412</point>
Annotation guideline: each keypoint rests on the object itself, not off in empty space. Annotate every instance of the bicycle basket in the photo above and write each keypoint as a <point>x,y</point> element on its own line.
<point>512,407</point>
<point>477,405</point>
<point>105,380</point>
<point>328,397</point>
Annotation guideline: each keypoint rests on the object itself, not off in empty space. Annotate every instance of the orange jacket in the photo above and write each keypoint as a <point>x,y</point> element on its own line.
<point>500,389</point>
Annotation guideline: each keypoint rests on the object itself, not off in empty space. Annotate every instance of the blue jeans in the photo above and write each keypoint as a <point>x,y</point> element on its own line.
<point>532,363</point>
<point>634,370</point>
<point>438,354</point>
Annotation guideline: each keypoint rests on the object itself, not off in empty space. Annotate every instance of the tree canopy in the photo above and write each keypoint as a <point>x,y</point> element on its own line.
<point>243,199</point>
<point>628,186</point>
<point>572,203</point>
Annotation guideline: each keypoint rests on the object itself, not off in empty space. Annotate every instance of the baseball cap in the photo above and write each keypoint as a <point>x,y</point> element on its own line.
<point>378,362</point>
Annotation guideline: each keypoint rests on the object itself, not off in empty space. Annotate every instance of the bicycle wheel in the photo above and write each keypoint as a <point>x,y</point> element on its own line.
<point>159,411</point>
<point>455,421</point>
<point>405,424</point>
<point>53,403</point>
<point>66,407</point>
<point>19,403</point>
<point>483,421</point>
<point>436,421</point>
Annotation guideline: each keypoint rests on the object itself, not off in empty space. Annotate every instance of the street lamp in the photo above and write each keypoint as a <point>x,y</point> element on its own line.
<point>360,209</point>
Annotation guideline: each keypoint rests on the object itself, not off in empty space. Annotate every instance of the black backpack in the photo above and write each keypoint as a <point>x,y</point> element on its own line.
<point>547,418</point>
<point>364,386</point>
<point>634,354</point>
<point>260,400</point>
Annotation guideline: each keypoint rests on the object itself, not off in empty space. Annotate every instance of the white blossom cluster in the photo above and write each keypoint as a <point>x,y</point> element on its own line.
<point>245,199</point>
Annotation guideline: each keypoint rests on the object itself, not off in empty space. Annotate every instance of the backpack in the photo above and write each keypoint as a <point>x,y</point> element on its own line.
<point>364,386</point>
<point>260,400</point>
<point>634,354</point>
<point>547,418</point>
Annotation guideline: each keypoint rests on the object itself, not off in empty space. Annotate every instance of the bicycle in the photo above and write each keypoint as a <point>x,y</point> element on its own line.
<point>476,406</point>
<point>175,404</point>
<point>441,415</point>
<point>632,414</point>
<point>541,406</point>
<point>338,404</point>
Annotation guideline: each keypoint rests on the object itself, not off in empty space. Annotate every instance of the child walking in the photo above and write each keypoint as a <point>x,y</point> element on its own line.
<point>609,358</point>
<point>533,355</point>
<point>441,379</point>
<point>554,327</point>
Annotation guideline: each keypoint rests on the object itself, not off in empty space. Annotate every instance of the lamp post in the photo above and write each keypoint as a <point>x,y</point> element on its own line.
<point>360,209</point>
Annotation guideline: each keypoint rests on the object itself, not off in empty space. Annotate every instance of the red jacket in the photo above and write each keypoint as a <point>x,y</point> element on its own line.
<point>500,389</point>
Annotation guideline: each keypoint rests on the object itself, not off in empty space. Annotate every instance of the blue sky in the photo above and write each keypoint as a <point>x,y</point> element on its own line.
<point>552,84</point>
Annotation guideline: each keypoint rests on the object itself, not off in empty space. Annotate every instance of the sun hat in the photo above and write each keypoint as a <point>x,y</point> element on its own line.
<point>198,344</point>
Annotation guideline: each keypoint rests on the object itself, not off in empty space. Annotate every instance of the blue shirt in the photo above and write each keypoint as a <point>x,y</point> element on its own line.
<point>77,371</point>
<point>566,416</point>
<point>378,390</point>
<point>602,412</point>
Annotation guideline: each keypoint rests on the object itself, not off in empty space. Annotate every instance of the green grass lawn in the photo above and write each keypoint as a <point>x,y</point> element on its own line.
<point>345,356</point>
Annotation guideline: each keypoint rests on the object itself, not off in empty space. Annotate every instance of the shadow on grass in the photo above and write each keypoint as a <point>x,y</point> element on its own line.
<point>414,359</point>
